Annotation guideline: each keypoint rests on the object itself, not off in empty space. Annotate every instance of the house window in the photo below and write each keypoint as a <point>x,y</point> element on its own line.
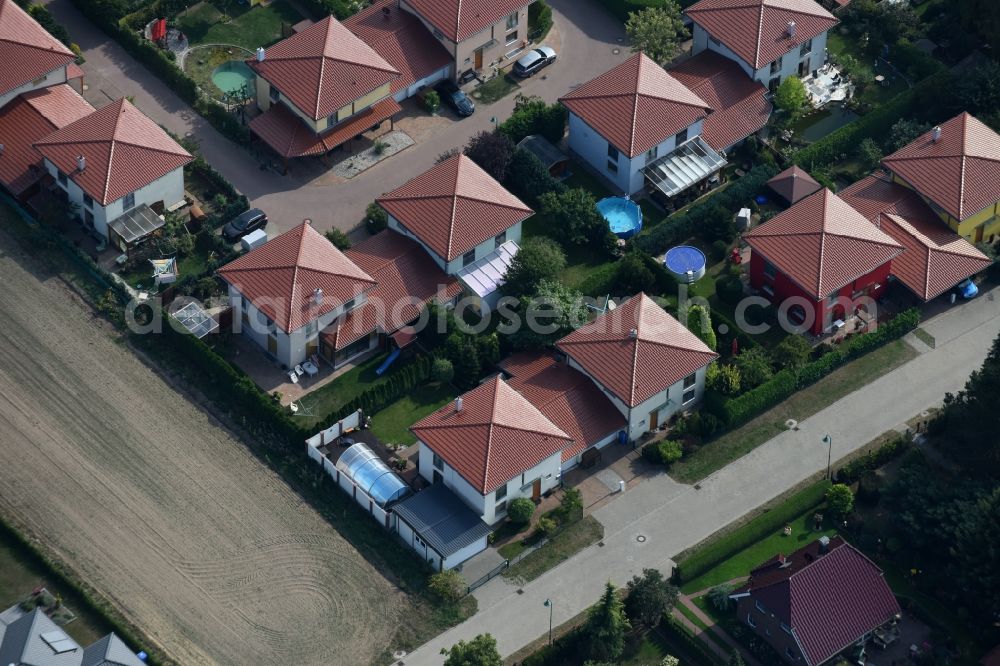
<point>274,95</point>
<point>750,620</point>
<point>776,66</point>
<point>500,493</point>
<point>500,239</point>
<point>500,508</point>
<point>512,21</point>
<point>128,201</point>
<point>511,38</point>
<point>88,200</point>
<point>438,463</point>
<point>714,40</point>
<point>612,159</point>
<point>769,270</point>
<point>773,84</point>
<point>681,137</point>
<point>759,606</point>
<point>468,257</point>
<point>61,177</point>
<point>651,154</point>
<point>807,47</point>
<point>767,290</point>
<point>690,380</point>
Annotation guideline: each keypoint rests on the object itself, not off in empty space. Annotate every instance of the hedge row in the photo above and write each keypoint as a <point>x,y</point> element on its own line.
<point>402,381</point>
<point>694,650</point>
<point>737,411</point>
<point>922,100</point>
<point>720,549</point>
<point>872,460</point>
<point>680,226</point>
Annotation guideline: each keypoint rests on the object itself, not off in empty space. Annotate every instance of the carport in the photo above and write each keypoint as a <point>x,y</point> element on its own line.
<point>440,527</point>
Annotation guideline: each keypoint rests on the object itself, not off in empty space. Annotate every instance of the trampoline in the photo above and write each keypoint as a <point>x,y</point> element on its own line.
<point>623,215</point>
<point>685,263</point>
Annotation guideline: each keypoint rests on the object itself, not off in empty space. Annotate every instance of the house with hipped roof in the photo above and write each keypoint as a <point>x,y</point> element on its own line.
<point>33,639</point>
<point>770,40</point>
<point>32,58</point>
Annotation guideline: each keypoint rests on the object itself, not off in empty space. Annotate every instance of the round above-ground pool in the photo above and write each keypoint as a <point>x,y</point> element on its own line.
<point>623,215</point>
<point>685,263</point>
<point>230,77</point>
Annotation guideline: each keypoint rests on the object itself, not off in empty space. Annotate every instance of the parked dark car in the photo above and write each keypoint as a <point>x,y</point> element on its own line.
<point>240,226</point>
<point>534,60</point>
<point>455,98</point>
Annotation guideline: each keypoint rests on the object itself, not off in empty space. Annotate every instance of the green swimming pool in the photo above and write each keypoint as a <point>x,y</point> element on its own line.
<point>230,76</point>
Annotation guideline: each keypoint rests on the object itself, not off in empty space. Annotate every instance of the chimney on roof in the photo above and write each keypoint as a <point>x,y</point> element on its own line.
<point>317,296</point>
<point>783,561</point>
<point>633,334</point>
<point>791,28</point>
<point>936,134</point>
<point>81,163</point>
<point>260,54</point>
<point>824,545</point>
<point>458,404</point>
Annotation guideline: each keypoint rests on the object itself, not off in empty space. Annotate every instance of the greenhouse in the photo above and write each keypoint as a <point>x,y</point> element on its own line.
<point>371,475</point>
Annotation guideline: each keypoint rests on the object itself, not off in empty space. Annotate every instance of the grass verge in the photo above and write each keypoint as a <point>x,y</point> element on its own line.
<point>925,337</point>
<point>719,452</point>
<point>561,547</point>
<point>495,89</point>
<point>392,424</point>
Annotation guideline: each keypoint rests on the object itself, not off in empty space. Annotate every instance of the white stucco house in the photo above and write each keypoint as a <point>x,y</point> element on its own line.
<point>285,292</point>
<point>633,122</point>
<point>32,58</point>
<point>111,161</point>
<point>644,361</point>
<point>489,447</point>
<point>770,39</point>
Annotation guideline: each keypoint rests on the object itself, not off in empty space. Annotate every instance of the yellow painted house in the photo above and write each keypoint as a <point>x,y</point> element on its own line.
<point>955,168</point>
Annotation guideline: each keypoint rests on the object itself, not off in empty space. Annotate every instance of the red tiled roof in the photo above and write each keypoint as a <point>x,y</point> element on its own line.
<point>27,51</point>
<point>323,68</point>
<point>636,105</point>
<point>288,136</point>
<point>739,107</point>
<point>280,277</point>
<point>406,278</point>
<point>794,184</point>
<point>822,244</point>
<point>661,354</point>
<point>124,151</point>
<point>566,396</point>
<point>497,435</point>
<point>454,207</point>
<point>28,118</point>
<point>829,600</point>
<point>401,39</point>
<point>74,71</point>
<point>934,257</point>
<point>757,30</point>
<point>460,19</point>
<point>960,172</point>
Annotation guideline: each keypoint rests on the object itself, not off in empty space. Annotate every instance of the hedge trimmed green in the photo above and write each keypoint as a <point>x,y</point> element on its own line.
<point>680,226</point>
<point>720,549</point>
<point>872,460</point>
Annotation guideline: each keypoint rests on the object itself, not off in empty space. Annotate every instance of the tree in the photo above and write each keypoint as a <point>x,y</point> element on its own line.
<point>657,31</point>
<point>539,19</point>
<point>539,258</point>
<point>632,275</point>
<point>976,550</point>
<point>492,151</point>
<point>724,378</point>
<point>447,585</point>
<point>571,505</point>
<point>553,306</point>
<point>339,239</point>
<point>528,178</point>
<point>573,216</point>
<point>840,499</point>
<point>442,371</point>
<point>729,288</point>
<point>791,96</point>
<point>718,224</point>
<point>376,219</point>
<point>978,89</point>
<point>792,352</point>
<point>735,659</point>
<point>648,597</point>
<point>447,155</point>
<point>520,510</point>
<point>462,352</point>
<point>699,322</point>
<point>904,131</point>
<point>869,153</point>
<point>532,115</point>
<point>754,367</point>
<point>718,596</point>
<point>606,626</point>
<point>983,18</point>
<point>480,651</point>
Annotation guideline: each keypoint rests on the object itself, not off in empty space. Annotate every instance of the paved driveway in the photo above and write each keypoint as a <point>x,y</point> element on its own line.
<point>588,37</point>
<point>674,516</point>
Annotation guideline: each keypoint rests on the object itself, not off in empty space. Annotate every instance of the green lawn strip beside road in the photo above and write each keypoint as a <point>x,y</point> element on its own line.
<point>718,453</point>
<point>574,538</point>
<point>246,27</point>
<point>495,89</point>
<point>392,424</point>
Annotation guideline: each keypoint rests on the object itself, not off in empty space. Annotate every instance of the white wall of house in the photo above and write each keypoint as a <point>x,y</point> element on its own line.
<point>610,438</point>
<point>486,506</point>
<point>462,555</point>
<point>666,403</point>
<point>427,81</point>
<point>455,265</point>
<point>55,77</point>
<point>814,57</point>
<point>168,189</point>
<point>410,538</point>
<point>624,173</point>
<point>290,348</point>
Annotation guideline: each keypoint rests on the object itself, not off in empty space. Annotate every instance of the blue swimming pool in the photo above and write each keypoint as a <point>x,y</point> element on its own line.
<point>686,263</point>
<point>623,215</point>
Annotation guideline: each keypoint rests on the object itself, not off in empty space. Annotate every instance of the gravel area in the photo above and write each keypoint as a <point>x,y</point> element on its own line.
<point>351,166</point>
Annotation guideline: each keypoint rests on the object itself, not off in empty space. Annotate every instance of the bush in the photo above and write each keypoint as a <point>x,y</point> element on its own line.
<point>793,352</point>
<point>670,452</point>
<point>529,179</point>
<point>729,288</point>
<point>520,510</point>
<point>699,322</point>
<point>376,219</point>
<point>442,371</point>
<point>739,410</point>
<point>573,216</point>
<point>539,19</point>
<point>754,366</point>
<point>432,101</point>
<point>339,239</point>
<point>718,596</point>
<point>546,526</point>
<point>540,258</point>
<point>872,460</point>
<point>840,500</point>
<point>724,378</point>
<point>447,585</point>
<point>532,115</point>
<point>651,453</point>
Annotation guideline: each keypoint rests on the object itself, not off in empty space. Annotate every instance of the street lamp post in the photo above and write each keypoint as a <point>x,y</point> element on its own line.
<point>548,604</point>
<point>829,454</point>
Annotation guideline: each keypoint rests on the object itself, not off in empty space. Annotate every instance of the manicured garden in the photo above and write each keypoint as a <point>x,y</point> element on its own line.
<point>237,24</point>
<point>392,424</point>
<point>495,89</point>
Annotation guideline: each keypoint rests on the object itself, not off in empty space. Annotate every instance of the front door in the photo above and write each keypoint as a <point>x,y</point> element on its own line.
<point>654,419</point>
<point>272,344</point>
<point>312,346</point>
<point>979,233</point>
<point>536,490</point>
<point>479,59</point>
<point>804,69</point>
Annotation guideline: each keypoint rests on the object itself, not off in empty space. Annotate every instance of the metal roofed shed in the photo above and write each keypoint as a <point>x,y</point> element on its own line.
<point>369,473</point>
<point>485,276</point>
<point>691,162</point>
<point>197,322</point>
<point>136,224</point>
<point>555,160</point>
<point>440,527</point>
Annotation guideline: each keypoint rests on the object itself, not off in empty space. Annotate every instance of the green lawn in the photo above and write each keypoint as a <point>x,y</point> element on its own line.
<point>495,89</point>
<point>343,389</point>
<point>561,547</point>
<point>689,614</point>
<point>247,27</point>
<point>191,264</point>
<point>588,270</point>
<point>736,443</point>
<point>392,424</point>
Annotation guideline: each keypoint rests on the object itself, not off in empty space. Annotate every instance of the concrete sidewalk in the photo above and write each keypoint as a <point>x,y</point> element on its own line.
<point>673,516</point>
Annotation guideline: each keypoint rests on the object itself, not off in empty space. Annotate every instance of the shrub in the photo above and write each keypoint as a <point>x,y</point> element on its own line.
<point>539,19</point>
<point>540,258</point>
<point>532,115</point>
<point>339,239</point>
<point>529,179</point>
<point>739,410</point>
<point>718,596</point>
<point>651,453</point>
<point>573,216</point>
<point>792,352</point>
<point>729,288</point>
<point>724,378</point>
<point>447,585</point>
<point>840,499</point>
<point>670,452</point>
<point>571,505</point>
<point>633,275</point>
<point>754,366</point>
<point>432,101</point>
<point>546,526</point>
<point>376,219</point>
<point>493,151</point>
<point>520,510</point>
<point>442,371</point>
<point>872,460</point>
<point>699,322</point>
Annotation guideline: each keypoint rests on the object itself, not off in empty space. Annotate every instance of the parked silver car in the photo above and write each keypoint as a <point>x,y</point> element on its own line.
<point>534,60</point>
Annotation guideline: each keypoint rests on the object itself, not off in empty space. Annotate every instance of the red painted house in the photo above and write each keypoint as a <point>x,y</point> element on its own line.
<point>815,260</point>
